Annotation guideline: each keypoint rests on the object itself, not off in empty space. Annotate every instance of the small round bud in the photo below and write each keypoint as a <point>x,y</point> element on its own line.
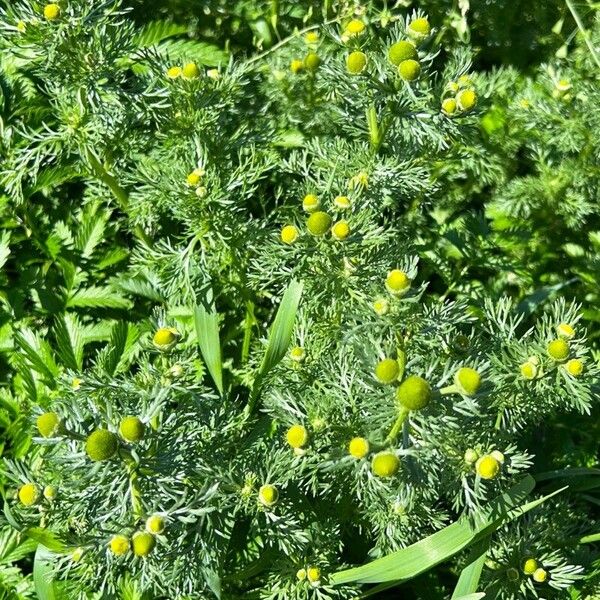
<point>565,330</point>
<point>358,447</point>
<point>312,61</point>
<point>529,370</point>
<point>460,343</point>
<point>414,393</point>
<point>385,464</point>
<point>213,74</point>
<point>574,367</point>
<point>289,234</point>
<point>562,86</point>
<point>143,543</point>
<point>381,306</point>
<point>50,492</point>
<point>342,202</point>
<point>51,11</point>
<point>356,62</point>
<point>558,349</point>
<point>76,383</point>
<point>21,26</point>
<point>165,337</point>
<point>419,29</point>
<point>468,381</point>
<point>311,203</point>
<point>313,574</point>
<point>29,494</point>
<point>193,178</point>
<point>132,429</point>
<point>312,37</point>
<point>355,27</point>
<point>201,191</point>
<point>512,574</point>
<point>48,424</point>
<point>174,72</point>
<point>119,545</point>
<point>487,467</point>
<point>297,354</point>
<point>498,456</point>
<point>318,223</point>
<point>540,575</point>
<point>397,282</point>
<point>268,495</point>
<point>449,106</point>
<point>387,370</point>
<point>471,455</point>
<point>466,99</point>
<point>529,566</point>
<point>401,51</point>
<point>190,71</point>
<point>301,574</point>
<point>296,66</point>
<point>101,445</point>
<point>77,554</point>
<point>297,436</point>
<point>155,524</point>
<point>409,70</point>
<point>340,230</point>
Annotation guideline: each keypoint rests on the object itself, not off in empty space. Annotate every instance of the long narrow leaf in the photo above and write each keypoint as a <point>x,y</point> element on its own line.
<point>43,576</point>
<point>207,332</point>
<point>469,577</point>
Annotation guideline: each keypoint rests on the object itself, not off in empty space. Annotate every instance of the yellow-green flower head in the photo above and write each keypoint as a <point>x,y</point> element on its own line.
<point>312,61</point>
<point>529,370</point>
<point>29,494</point>
<point>190,71</point>
<point>419,29</point>
<point>296,65</point>
<point>563,85</point>
<point>452,87</point>
<point>297,436</point>
<point>312,37</point>
<point>297,354</point>
<point>119,545</point>
<point>449,106</point>
<point>213,74</point>
<point>51,11</point>
<point>466,99</point>
<point>194,178</point>
<point>529,566</point>
<point>155,524</point>
<point>319,223</point>
<point>540,575</point>
<point>397,282</point>
<point>101,445</point>
<point>310,203</point>
<point>355,27</point>
<point>76,383</point>
<point>487,467</point>
<point>313,574</point>
<point>340,230</point>
<point>342,202</point>
<point>77,554</point>
<point>48,424</point>
<point>360,180</point>
<point>356,62</point>
<point>165,337</point>
<point>289,234</point>
<point>414,393</point>
<point>21,26</point>
<point>381,306</point>
<point>50,492</point>
<point>385,464</point>
<point>174,72</point>
<point>574,367</point>
<point>301,574</point>
<point>558,349</point>
<point>143,543</point>
<point>409,70</point>
<point>358,447</point>
<point>268,495</point>
<point>387,370</point>
<point>471,455</point>
<point>401,51</point>
<point>132,429</point>
<point>467,380</point>
<point>565,331</point>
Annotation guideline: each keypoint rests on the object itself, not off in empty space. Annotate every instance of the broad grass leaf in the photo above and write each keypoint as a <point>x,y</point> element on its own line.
<point>207,332</point>
<point>468,580</point>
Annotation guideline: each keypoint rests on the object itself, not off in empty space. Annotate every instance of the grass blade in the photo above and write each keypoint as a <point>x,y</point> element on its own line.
<point>207,332</point>
<point>469,577</point>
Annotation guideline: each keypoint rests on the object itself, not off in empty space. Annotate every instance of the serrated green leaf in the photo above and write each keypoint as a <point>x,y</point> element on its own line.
<point>97,297</point>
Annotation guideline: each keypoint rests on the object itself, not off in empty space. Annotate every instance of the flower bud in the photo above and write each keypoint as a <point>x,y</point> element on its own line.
<point>574,367</point>
<point>397,282</point>
<point>119,545</point>
<point>48,424</point>
<point>540,575</point>
<point>143,543</point>
<point>312,61</point>
<point>468,381</point>
<point>512,574</point>
<point>193,178</point>
<point>409,70</point>
<point>318,223</point>
<point>301,574</point>
<point>340,230</point>
<point>414,393</point>
<point>419,29</point>
<point>387,370</point>
<point>498,456</point>
<point>356,62</point>
<point>155,524</point>
<point>565,330</point>
<point>342,202</point>
<point>190,71</point>
<point>529,370</point>
<point>101,445</point>
<point>313,574</point>
<point>174,72</point>
<point>487,467</point>
<point>132,429</point>
<point>381,307</point>
<point>268,495</point>
<point>558,349</point>
<point>50,492</point>
<point>401,51</point>
<point>296,66</point>
<point>297,354</point>
<point>471,455</point>
<point>355,27</point>
<point>51,11</point>
<point>29,494</point>
<point>165,337</point>
<point>77,554</point>
<point>529,566</point>
<point>466,99</point>
<point>449,106</point>
<point>297,436</point>
<point>385,464</point>
<point>312,37</point>
<point>311,203</point>
<point>289,234</point>
<point>358,447</point>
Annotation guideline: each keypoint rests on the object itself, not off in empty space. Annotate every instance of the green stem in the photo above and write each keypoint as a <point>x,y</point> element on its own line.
<point>395,430</point>
<point>584,32</point>
<point>375,132</point>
